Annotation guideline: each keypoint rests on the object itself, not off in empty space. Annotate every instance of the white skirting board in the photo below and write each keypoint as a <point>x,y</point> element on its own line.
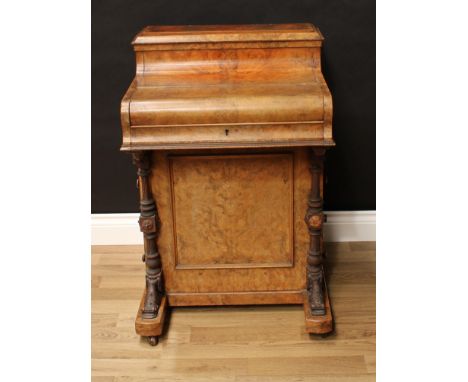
<point>123,229</point>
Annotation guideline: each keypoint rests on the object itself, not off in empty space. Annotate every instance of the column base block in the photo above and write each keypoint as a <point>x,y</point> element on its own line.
<point>318,324</point>
<point>152,327</point>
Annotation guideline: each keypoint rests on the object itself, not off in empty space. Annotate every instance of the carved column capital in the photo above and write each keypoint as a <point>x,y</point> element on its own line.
<point>141,159</point>
<point>319,152</point>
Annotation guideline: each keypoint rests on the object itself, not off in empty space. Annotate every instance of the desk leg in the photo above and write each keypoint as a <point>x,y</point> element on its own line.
<point>317,309</point>
<point>151,313</point>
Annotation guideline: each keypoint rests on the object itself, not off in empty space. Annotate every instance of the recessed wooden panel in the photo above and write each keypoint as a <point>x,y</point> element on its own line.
<point>232,211</point>
<point>233,279</point>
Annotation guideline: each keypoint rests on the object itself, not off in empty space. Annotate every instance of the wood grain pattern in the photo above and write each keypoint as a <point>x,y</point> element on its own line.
<point>235,298</point>
<point>228,67</point>
<point>232,280</point>
<point>262,83</point>
<point>232,210</point>
<point>237,344</point>
<point>155,34</point>
<point>227,104</point>
<point>237,136</point>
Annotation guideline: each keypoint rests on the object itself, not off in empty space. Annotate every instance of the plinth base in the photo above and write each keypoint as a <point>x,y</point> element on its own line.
<point>153,327</point>
<point>318,324</point>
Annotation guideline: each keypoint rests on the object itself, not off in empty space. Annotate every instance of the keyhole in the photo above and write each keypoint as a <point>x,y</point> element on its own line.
<point>226,132</point>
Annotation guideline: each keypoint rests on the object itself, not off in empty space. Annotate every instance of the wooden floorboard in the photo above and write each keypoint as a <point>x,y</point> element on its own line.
<point>236,344</point>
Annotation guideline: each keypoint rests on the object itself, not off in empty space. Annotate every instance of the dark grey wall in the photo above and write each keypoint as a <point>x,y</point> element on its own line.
<point>348,65</point>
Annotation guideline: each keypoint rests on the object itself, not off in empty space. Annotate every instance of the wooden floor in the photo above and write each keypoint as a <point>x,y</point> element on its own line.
<point>254,343</point>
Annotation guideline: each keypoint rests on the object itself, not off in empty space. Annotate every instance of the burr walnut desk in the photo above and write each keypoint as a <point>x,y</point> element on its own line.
<point>228,126</point>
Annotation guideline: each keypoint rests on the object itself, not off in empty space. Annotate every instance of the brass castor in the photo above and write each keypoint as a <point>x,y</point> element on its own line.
<point>152,340</point>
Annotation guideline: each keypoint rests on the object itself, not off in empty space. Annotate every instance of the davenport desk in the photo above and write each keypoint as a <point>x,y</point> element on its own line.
<point>228,126</point>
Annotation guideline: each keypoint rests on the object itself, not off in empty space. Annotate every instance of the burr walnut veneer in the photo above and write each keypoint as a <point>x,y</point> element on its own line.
<point>228,126</point>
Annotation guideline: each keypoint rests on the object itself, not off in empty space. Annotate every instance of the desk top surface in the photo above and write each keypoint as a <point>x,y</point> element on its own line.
<point>227,33</point>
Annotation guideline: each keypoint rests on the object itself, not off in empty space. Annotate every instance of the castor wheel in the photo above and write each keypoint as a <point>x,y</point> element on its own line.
<point>153,340</point>
<point>320,335</point>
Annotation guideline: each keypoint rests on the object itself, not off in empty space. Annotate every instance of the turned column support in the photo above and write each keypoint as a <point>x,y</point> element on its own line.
<point>314,219</point>
<point>149,226</point>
